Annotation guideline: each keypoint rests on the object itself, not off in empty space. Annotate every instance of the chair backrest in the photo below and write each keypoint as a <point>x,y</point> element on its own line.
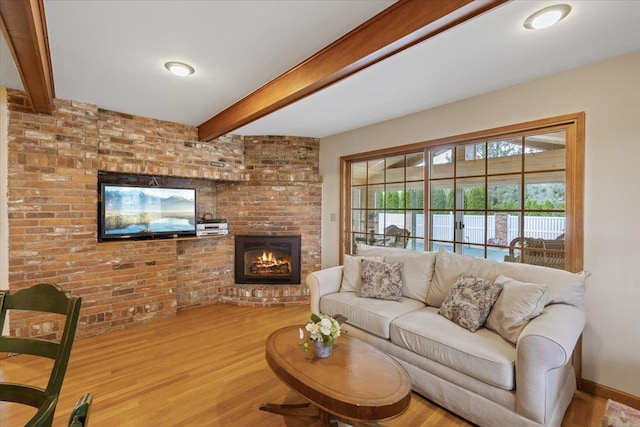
<point>397,237</point>
<point>549,253</point>
<point>79,415</point>
<point>44,416</point>
<point>47,298</point>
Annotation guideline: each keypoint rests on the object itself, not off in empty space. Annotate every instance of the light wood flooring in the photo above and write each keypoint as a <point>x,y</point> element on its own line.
<point>205,367</point>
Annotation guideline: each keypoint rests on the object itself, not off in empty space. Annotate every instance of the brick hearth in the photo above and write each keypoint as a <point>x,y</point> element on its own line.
<point>264,295</point>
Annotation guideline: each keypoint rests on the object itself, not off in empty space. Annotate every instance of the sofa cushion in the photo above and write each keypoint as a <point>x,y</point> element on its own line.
<point>517,304</point>
<point>483,355</point>
<point>371,315</point>
<point>447,269</point>
<point>380,280</point>
<point>563,286</point>
<point>351,272</point>
<point>417,271</point>
<point>383,251</point>
<point>470,300</point>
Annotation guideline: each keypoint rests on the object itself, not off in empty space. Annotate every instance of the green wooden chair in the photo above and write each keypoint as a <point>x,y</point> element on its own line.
<point>80,414</point>
<point>45,298</point>
<point>44,416</point>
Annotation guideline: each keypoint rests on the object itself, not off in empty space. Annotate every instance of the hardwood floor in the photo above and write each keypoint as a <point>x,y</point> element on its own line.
<point>205,367</point>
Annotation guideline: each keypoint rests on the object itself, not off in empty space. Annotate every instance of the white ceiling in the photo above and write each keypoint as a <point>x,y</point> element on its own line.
<point>111,53</point>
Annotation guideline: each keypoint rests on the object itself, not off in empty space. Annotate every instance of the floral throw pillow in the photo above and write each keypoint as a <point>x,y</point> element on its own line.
<point>469,302</point>
<point>351,272</point>
<point>380,280</point>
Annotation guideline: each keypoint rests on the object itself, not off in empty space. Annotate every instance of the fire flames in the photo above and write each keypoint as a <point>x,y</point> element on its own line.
<point>270,264</point>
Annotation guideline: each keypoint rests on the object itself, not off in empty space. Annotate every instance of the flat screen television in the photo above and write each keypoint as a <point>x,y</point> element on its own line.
<point>145,212</point>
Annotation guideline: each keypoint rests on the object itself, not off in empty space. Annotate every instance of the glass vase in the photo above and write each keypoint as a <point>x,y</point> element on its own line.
<point>322,350</point>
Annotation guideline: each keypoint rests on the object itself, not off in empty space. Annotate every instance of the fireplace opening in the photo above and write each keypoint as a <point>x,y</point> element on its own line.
<point>267,259</point>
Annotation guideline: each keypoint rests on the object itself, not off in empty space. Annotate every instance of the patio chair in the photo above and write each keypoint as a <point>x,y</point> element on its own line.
<point>528,250</point>
<point>396,236</point>
<point>42,298</point>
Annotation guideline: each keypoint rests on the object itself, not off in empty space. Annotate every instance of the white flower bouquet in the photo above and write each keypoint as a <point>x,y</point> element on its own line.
<point>320,328</point>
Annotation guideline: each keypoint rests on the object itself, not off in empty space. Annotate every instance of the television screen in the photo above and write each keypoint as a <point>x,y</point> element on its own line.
<point>146,212</point>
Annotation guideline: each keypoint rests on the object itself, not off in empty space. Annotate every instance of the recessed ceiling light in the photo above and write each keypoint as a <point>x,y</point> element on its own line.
<point>179,68</point>
<point>546,17</point>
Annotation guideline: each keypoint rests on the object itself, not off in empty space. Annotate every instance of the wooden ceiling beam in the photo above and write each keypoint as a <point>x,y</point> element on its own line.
<point>400,26</point>
<point>24,28</point>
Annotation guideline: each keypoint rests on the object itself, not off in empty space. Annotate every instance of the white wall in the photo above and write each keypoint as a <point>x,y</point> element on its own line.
<point>609,93</point>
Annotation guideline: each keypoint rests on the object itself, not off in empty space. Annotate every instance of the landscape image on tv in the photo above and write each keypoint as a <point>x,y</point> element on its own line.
<point>143,210</point>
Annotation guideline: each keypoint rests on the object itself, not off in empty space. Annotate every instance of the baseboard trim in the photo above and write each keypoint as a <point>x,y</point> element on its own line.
<point>610,393</point>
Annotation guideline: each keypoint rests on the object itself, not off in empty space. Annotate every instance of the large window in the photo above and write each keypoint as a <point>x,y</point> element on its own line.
<point>387,201</point>
<point>502,199</point>
<point>511,194</point>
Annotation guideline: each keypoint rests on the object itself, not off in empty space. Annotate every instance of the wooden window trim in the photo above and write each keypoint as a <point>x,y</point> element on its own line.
<point>574,124</point>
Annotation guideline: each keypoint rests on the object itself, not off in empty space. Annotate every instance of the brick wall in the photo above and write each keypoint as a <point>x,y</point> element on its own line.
<point>282,196</point>
<point>139,145</point>
<point>203,266</point>
<point>53,174</point>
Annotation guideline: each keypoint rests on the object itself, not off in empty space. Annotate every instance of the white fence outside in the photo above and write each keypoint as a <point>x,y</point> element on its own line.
<point>542,227</point>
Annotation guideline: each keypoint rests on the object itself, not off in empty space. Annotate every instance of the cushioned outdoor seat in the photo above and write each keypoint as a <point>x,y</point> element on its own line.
<point>527,250</point>
<point>396,236</point>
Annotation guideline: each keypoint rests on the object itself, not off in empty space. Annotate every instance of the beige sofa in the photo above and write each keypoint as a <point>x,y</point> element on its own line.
<point>481,375</point>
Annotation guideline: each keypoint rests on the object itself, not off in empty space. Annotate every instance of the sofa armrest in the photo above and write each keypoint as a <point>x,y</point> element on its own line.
<point>544,347</point>
<point>321,283</point>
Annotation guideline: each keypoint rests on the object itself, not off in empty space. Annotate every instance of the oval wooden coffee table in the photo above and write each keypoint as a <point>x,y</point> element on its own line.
<point>358,383</point>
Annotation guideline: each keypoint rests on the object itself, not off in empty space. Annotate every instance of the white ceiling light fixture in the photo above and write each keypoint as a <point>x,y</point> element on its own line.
<point>179,68</point>
<point>544,18</point>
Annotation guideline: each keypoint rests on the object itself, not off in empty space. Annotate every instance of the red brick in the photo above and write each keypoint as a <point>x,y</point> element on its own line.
<point>53,166</point>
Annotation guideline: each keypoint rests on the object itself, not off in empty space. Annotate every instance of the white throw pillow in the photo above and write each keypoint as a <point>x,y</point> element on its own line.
<point>563,286</point>
<point>351,272</point>
<point>518,303</point>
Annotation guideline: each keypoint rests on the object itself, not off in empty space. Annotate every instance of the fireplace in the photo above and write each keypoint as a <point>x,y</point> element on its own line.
<point>267,259</point>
